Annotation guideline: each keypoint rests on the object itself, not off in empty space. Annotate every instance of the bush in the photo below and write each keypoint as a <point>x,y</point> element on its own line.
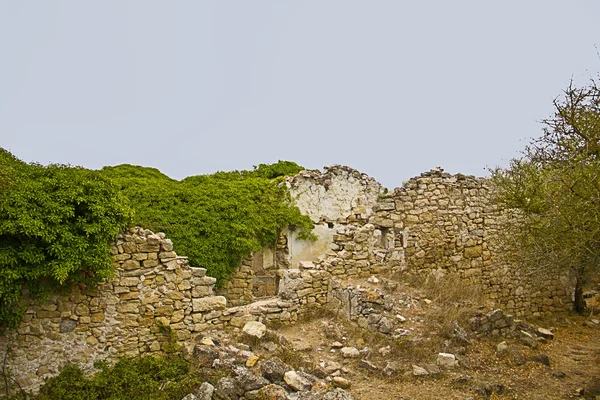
<point>216,220</point>
<point>145,378</point>
<point>56,226</point>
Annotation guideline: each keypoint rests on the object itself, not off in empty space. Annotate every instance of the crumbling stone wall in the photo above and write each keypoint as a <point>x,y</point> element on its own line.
<point>155,303</point>
<point>337,195</point>
<point>444,223</point>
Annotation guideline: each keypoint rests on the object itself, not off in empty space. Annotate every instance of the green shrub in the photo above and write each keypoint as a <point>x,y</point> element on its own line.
<point>216,220</point>
<point>56,226</point>
<point>142,378</point>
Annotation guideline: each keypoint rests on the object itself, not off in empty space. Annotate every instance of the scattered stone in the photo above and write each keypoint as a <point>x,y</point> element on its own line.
<point>247,380</point>
<point>391,368</point>
<point>207,342</point>
<point>205,392</point>
<point>190,397</point>
<point>384,351</point>
<point>427,301</point>
<point>337,394</point>
<point>227,389</point>
<point>400,318</point>
<point>255,329</point>
<point>272,392</point>
<point>502,348</point>
<point>350,352</point>
<point>419,371</point>
<point>373,279</point>
<point>298,381</point>
<point>336,345</point>
<point>274,369</point>
<point>545,333</point>
<point>530,342</point>
<point>446,360</point>
<point>251,362</point>
<point>386,325</point>
<point>205,355</point>
<point>368,365</point>
<point>341,382</point>
<point>270,347</point>
<point>541,358</point>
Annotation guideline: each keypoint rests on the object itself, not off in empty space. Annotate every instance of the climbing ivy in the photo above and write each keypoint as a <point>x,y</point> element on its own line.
<point>57,221</point>
<point>56,226</point>
<point>216,220</point>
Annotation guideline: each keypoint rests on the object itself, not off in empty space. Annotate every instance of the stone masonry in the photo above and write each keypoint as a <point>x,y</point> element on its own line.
<point>436,223</point>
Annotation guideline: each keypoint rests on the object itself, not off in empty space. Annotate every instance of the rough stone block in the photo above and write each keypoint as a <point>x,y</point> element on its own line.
<point>209,303</point>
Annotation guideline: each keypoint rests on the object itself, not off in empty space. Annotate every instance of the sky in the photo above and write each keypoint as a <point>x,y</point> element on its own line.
<point>392,88</point>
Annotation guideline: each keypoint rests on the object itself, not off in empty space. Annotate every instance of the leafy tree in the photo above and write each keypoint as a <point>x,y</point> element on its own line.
<point>555,190</point>
<point>56,226</point>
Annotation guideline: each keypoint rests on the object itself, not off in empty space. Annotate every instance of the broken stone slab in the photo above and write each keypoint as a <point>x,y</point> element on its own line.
<point>297,381</point>
<point>255,329</point>
<point>545,333</point>
<point>306,264</point>
<point>446,360</point>
<point>209,303</point>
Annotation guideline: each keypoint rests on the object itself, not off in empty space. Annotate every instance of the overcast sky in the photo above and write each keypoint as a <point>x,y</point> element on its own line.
<point>392,88</point>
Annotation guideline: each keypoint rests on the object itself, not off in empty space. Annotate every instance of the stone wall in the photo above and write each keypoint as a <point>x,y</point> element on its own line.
<point>436,223</point>
<point>444,223</point>
<point>155,304</point>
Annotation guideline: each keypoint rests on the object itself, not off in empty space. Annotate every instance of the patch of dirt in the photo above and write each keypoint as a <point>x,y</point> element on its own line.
<point>573,354</point>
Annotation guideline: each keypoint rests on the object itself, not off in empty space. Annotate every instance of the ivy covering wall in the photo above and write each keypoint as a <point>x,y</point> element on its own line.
<point>57,221</point>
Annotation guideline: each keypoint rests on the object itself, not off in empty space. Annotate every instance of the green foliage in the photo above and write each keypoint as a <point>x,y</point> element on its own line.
<point>555,188</point>
<point>281,168</point>
<point>146,378</point>
<point>56,226</point>
<point>57,221</point>
<point>216,220</point>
